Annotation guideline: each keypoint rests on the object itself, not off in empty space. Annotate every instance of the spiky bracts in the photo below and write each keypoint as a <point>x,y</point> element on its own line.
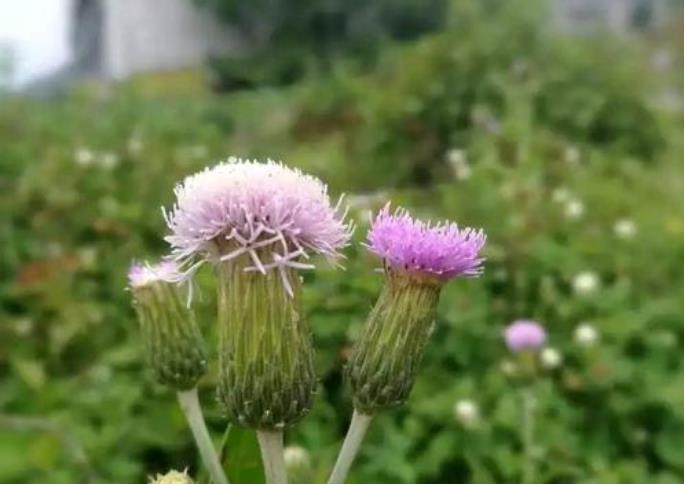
<point>173,343</point>
<point>266,359</point>
<point>385,360</point>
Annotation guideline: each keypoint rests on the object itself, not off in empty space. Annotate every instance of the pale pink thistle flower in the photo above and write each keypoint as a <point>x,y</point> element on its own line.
<point>143,274</point>
<point>524,335</point>
<point>276,215</point>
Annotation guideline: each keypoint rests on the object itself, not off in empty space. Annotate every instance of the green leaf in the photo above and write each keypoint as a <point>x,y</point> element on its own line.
<point>241,456</point>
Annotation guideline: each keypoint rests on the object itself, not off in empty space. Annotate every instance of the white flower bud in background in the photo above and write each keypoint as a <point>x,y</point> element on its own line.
<point>625,228</point>
<point>83,156</point>
<point>108,161</point>
<point>459,164</point>
<point>585,283</point>
<point>456,156</point>
<point>466,413</point>
<point>172,477</point>
<point>560,195</point>
<point>296,458</point>
<point>574,209</point>
<point>586,335</point>
<point>135,145</point>
<point>508,368</point>
<point>551,358</point>
<point>572,155</point>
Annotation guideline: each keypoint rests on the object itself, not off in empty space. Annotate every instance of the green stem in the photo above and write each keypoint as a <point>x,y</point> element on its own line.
<point>189,402</point>
<point>528,404</point>
<point>352,442</point>
<point>271,444</point>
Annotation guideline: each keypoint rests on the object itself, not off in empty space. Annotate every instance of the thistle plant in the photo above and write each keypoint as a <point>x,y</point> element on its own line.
<point>258,224</point>
<point>174,347</point>
<point>418,259</point>
<point>526,338</point>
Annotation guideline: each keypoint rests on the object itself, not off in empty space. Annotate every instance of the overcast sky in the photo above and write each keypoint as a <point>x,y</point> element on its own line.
<point>37,32</point>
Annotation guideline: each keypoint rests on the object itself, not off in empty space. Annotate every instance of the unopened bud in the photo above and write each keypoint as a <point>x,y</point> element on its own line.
<point>172,477</point>
<point>173,342</point>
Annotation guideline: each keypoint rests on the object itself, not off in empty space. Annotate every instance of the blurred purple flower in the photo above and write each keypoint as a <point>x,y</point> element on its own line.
<point>443,249</point>
<point>524,335</point>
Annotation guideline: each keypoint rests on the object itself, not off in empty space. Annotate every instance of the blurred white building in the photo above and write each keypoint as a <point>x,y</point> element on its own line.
<point>619,16</point>
<point>115,39</point>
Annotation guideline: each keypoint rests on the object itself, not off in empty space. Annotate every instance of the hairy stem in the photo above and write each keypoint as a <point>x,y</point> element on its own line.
<point>350,447</point>
<point>529,465</point>
<point>271,444</point>
<point>189,402</point>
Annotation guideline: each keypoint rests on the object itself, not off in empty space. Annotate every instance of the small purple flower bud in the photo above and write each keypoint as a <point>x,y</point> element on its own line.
<point>524,335</point>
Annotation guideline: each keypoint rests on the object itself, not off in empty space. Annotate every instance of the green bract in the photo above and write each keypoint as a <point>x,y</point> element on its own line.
<point>387,355</point>
<point>173,342</point>
<point>266,358</point>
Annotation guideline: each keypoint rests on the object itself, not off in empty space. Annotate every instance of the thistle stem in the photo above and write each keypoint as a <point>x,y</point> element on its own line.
<point>528,404</point>
<point>271,444</point>
<point>352,442</point>
<point>189,402</point>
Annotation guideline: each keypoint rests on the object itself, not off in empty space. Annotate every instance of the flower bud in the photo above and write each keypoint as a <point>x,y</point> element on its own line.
<point>585,283</point>
<point>173,342</point>
<point>550,358</point>
<point>296,458</point>
<point>586,335</point>
<point>172,477</point>
<point>467,413</point>
<point>524,335</point>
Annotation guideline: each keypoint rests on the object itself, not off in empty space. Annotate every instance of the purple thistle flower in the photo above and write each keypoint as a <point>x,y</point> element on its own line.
<point>142,274</point>
<point>524,334</point>
<point>274,214</point>
<point>443,249</point>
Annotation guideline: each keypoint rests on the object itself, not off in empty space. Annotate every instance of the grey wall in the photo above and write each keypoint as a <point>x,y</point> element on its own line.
<point>152,35</point>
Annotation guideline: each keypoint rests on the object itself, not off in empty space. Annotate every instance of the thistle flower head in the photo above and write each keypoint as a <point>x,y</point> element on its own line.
<point>524,335</point>
<point>275,214</point>
<point>172,477</point>
<point>443,250</point>
<point>142,274</point>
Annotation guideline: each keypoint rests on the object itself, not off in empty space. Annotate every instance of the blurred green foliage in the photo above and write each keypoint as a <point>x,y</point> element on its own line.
<point>495,74</point>
<point>545,125</point>
<point>285,39</point>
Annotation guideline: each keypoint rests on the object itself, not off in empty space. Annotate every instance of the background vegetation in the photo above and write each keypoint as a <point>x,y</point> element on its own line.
<point>549,142</point>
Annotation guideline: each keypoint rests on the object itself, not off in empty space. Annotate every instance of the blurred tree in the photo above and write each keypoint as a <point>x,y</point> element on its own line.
<point>285,35</point>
